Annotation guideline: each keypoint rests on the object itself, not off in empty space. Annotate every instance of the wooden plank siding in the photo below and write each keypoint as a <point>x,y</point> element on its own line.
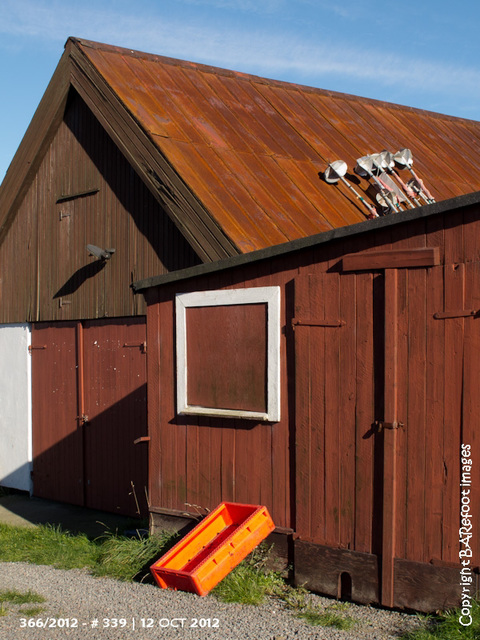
<point>89,399</point>
<point>84,192</point>
<point>326,470</point>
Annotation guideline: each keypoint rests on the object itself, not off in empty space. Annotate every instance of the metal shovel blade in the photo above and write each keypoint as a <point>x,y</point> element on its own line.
<point>335,171</point>
<point>403,158</point>
<point>386,159</point>
<point>364,166</point>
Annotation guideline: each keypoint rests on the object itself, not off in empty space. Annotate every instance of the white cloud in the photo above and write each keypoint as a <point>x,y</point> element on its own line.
<point>263,52</point>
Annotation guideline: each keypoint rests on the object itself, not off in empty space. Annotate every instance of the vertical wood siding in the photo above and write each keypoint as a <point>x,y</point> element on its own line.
<point>320,469</point>
<point>84,193</point>
<point>89,405</point>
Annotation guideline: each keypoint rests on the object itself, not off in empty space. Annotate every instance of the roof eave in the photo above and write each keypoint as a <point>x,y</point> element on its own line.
<point>310,242</point>
<point>75,70</point>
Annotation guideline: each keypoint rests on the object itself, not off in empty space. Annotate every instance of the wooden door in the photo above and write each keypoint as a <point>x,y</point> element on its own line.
<point>57,437</point>
<point>385,388</point>
<point>338,329</point>
<point>89,406</point>
<point>115,415</point>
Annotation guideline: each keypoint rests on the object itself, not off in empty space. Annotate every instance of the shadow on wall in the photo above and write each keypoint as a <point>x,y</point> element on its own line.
<point>95,463</point>
<point>149,217</point>
<point>19,479</point>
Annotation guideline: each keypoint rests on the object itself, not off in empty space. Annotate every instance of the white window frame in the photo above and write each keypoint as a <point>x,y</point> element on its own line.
<point>266,295</point>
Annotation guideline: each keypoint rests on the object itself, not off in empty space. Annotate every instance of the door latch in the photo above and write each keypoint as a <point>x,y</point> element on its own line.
<point>83,419</point>
<point>380,425</point>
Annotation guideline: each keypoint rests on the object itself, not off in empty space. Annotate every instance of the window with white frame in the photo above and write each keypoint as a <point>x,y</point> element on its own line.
<point>228,353</point>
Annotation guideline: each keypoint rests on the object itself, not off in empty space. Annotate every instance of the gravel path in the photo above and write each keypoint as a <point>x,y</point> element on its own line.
<point>87,608</point>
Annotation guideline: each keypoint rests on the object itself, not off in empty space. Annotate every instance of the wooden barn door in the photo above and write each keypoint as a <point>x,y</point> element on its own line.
<point>339,369</point>
<point>57,440</point>
<point>114,406</point>
<point>89,405</point>
<point>381,373</point>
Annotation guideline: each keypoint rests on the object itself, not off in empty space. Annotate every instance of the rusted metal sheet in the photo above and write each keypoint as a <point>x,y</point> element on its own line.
<point>89,407</point>
<point>257,132</point>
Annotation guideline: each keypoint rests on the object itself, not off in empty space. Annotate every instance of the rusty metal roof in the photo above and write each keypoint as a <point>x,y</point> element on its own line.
<point>251,151</point>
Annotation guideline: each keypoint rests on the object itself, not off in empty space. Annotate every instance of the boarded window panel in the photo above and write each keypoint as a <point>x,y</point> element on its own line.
<point>227,357</point>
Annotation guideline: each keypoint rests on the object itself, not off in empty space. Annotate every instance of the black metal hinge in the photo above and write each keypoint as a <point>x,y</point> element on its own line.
<point>317,323</point>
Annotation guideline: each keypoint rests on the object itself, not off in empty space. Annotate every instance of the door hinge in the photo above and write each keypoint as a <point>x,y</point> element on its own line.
<point>380,425</point>
<point>317,323</point>
<point>31,348</point>
<point>458,313</point>
<point>141,345</point>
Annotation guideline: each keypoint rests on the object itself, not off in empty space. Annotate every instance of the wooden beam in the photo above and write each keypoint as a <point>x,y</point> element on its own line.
<point>390,437</point>
<point>391,259</point>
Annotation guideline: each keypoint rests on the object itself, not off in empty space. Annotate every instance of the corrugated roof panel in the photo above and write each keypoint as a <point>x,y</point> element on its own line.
<point>251,149</point>
<point>222,188</point>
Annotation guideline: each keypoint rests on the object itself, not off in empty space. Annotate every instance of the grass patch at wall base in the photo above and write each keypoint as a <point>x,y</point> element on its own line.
<point>111,555</point>
<point>447,626</point>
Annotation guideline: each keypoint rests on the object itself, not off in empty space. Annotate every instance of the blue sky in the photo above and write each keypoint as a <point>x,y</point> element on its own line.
<point>423,53</point>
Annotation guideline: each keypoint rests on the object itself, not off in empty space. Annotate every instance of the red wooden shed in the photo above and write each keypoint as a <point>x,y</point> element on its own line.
<point>333,379</point>
<point>172,164</point>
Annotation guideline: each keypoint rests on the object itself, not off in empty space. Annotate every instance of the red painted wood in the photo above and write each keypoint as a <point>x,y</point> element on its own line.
<point>471,397</point>
<point>89,406</point>
<point>365,414</point>
<point>227,357</point>
<point>115,402</point>
<point>454,336</point>
<point>303,462</point>
<point>333,398</point>
<point>392,258</point>
<point>390,437</point>
<point>346,423</point>
<point>416,415</point>
<point>434,416</point>
<point>57,434</point>
<point>401,529</point>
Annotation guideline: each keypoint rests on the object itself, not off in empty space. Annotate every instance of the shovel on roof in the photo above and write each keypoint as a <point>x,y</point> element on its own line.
<point>385,160</point>
<point>404,158</point>
<point>364,168</point>
<point>335,172</point>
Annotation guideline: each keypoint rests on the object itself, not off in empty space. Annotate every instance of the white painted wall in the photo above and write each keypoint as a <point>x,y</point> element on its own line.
<point>15,407</point>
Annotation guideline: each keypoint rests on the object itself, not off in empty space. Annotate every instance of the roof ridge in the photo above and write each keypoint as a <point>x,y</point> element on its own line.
<point>239,75</point>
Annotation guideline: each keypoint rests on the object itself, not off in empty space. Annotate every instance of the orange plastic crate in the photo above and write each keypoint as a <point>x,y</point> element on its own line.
<point>213,548</point>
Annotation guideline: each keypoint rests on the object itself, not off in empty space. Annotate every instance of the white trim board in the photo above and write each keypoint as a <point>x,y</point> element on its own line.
<point>266,295</point>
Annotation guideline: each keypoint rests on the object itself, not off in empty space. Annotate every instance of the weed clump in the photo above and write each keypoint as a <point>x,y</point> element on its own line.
<point>447,626</point>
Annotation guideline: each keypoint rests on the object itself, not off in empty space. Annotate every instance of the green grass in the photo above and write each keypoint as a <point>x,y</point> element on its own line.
<point>325,618</point>
<point>31,611</point>
<point>16,598</point>
<point>247,585</point>
<point>125,558</point>
<point>111,555</point>
<point>446,626</point>
<point>250,582</point>
<point>20,597</point>
<point>46,545</point>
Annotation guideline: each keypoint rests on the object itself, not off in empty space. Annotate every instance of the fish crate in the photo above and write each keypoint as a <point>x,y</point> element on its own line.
<point>202,558</point>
